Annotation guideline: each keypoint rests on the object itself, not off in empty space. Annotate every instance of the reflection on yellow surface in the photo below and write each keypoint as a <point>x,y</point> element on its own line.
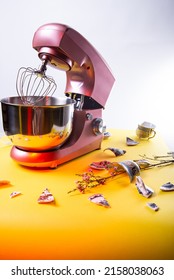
<point>40,142</point>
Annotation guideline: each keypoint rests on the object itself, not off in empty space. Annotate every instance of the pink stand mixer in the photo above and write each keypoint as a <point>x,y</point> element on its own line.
<point>76,120</point>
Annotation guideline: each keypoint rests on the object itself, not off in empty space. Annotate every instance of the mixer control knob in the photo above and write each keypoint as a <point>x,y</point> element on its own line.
<point>97,126</point>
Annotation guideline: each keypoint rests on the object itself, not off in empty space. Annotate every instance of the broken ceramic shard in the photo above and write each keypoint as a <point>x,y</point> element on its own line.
<point>99,200</point>
<point>131,142</point>
<point>167,187</point>
<point>148,125</point>
<point>45,197</point>
<point>142,188</point>
<point>100,165</point>
<point>14,194</point>
<point>117,152</point>
<point>153,206</point>
<point>131,167</point>
<point>106,135</point>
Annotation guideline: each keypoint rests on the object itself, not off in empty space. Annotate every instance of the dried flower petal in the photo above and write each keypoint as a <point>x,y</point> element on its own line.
<point>89,180</point>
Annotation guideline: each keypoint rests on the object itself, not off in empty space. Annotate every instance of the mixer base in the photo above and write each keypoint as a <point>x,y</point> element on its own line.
<point>53,158</point>
<point>84,138</point>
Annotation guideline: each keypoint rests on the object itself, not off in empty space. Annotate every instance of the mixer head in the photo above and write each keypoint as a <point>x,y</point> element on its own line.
<point>88,77</point>
<point>33,85</point>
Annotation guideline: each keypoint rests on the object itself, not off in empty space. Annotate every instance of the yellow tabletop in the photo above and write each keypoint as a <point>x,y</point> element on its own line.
<point>75,228</point>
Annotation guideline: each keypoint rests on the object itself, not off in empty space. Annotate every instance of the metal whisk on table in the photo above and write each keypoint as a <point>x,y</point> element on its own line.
<point>33,85</point>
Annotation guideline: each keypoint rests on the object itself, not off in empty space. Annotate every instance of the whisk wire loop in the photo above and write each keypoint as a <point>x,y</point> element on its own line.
<point>34,83</point>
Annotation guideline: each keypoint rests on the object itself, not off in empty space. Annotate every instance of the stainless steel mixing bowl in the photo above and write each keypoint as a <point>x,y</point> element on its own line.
<point>37,128</point>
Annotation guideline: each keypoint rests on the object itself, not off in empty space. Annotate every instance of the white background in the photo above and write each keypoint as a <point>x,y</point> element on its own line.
<point>135,37</point>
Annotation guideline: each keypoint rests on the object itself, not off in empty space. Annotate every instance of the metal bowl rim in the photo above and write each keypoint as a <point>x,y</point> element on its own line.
<point>6,101</point>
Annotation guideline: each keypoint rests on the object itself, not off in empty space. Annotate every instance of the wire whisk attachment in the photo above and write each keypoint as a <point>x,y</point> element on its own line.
<point>33,85</point>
